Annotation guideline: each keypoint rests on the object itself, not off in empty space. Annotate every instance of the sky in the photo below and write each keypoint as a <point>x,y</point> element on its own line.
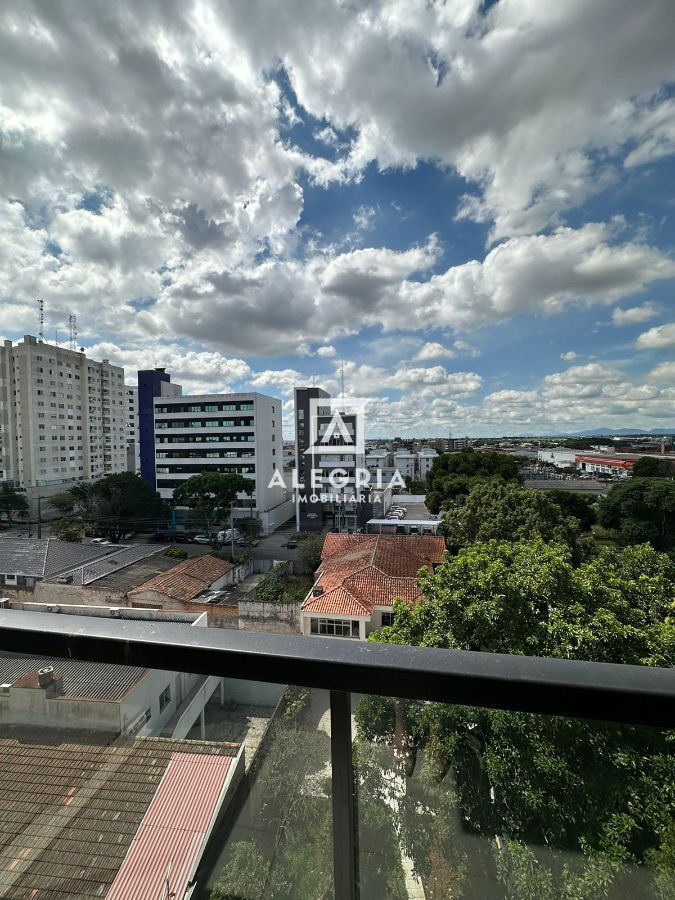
<point>467,207</point>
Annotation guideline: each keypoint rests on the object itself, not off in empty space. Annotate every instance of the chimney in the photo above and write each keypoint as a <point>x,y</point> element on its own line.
<point>317,591</point>
<point>45,676</point>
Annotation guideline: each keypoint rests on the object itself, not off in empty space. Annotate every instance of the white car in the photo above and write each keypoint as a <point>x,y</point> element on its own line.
<point>100,541</point>
<point>201,539</point>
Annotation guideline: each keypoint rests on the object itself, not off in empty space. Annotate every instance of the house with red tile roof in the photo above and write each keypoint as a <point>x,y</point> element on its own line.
<point>360,576</point>
<point>188,581</point>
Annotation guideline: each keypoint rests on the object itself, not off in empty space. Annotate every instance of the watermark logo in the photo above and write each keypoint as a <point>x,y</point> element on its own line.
<point>339,485</point>
<point>337,426</point>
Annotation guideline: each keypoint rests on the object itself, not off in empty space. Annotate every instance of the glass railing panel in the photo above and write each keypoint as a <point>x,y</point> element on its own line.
<point>121,781</point>
<point>456,801</point>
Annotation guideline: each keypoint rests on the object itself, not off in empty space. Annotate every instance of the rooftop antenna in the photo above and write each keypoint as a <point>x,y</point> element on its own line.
<point>313,380</point>
<point>56,336</point>
<point>342,380</point>
<point>41,318</point>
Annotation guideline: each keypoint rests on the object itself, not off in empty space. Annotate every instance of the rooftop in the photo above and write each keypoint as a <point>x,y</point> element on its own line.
<point>360,571</point>
<point>84,680</point>
<point>75,809</point>
<point>187,579</point>
<point>44,558</point>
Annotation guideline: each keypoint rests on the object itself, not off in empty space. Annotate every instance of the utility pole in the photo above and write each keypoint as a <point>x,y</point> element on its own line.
<point>232,528</point>
<point>39,521</point>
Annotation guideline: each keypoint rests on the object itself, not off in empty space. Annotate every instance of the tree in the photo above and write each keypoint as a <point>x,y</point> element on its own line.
<point>503,510</point>
<point>310,547</point>
<point>69,528</point>
<point>209,496</point>
<point>12,503</point>
<point>572,503</point>
<point>650,467</point>
<point>114,505</point>
<point>642,509</point>
<point>452,475</point>
<point>596,793</point>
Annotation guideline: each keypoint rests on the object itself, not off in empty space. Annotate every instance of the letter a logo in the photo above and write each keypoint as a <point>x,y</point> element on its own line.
<point>337,424</point>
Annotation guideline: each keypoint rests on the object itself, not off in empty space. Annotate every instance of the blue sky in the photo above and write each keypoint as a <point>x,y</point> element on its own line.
<point>468,207</point>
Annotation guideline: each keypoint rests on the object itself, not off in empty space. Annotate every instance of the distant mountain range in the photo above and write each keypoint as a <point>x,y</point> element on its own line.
<point>619,432</point>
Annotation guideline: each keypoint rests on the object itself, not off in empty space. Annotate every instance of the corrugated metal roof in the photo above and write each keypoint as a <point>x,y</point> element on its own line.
<point>94,681</point>
<point>71,807</point>
<point>22,557</point>
<point>168,845</point>
<point>104,562</point>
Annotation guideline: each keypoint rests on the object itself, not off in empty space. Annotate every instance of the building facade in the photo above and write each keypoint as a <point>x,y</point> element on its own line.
<point>323,446</point>
<point>133,437</point>
<point>62,417</point>
<point>227,433</point>
<point>560,457</point>
<point>152,383</point>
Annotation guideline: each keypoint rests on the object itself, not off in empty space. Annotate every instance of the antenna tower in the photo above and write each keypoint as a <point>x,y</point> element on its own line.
<point>41,318</point>
<point>72,331</point>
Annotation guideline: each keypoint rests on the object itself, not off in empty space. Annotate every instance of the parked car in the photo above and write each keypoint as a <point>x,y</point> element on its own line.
<point>291,544</point>
<point>100,540</point>
<point>246,542</point>
<point>201,539</point>
<point>225,537</point>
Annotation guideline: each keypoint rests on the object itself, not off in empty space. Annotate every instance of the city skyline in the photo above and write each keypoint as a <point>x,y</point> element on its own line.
<point>458,207</point>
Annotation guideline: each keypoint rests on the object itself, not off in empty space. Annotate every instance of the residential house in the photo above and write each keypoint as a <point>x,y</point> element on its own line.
<point>360,576</point>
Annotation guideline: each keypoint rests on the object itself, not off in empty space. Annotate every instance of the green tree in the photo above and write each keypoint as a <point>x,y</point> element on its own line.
<point>642,509</point>
<point>452,475</point>
<point>12,503</point>
<point>209,496</point>
<point>580,506</point>
<point>69,528</point>
<point>310,547</point>
<point>120,502</point>
<point>597,794</point>
<point>503,510</point>
<point>650,467</point>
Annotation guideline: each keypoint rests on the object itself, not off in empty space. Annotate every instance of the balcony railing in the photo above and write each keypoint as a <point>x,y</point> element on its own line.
<point>633,697</point>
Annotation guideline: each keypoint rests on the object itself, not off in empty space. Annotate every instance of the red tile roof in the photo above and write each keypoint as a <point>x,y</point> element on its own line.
<point>360,571</point>
<point>187,579</point>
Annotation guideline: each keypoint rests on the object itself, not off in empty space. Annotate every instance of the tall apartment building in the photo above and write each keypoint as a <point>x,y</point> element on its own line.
<point>133,437</point>
<point>62,417</point>
<point>152,383</point>
<point>338,511</point>
<point>223,433</point>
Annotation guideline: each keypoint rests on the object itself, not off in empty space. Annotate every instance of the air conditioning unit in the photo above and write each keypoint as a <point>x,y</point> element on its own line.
<point>115,612</point>
<point>4,688</point>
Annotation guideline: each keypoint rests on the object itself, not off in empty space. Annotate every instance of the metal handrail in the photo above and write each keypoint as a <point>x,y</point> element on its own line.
<point>637,695</point>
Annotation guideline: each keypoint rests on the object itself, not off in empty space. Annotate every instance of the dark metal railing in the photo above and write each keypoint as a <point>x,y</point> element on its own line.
<point>634,695</point>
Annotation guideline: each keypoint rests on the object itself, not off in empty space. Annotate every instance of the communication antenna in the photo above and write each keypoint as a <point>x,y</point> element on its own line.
<point>342,380</point>
<point>41,318</point>
<point>72,331</point>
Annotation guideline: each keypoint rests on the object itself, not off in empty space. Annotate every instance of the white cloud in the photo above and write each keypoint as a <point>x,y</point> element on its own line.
<point>434,350</point>
<point>326,351</point>
<point>364,217</point>
<point>661,336</point>
<point>634,315</point>
<point>569,356</point>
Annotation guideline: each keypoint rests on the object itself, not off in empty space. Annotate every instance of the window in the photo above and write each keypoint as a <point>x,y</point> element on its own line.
<point>165,698</point>
<point>211,407</point>
<point>387,619</point>
<point>335,627</point>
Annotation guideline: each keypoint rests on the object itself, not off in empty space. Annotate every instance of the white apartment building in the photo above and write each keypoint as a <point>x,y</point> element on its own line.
<point>425,460</point>
<point>133,434</point>
<point>228,433</point>
<point>406,463</point>
<point>62,417</point>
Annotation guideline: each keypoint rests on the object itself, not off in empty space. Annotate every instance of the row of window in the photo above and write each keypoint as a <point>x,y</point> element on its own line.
<point>192,469</point>
<point>335,627</point>
<point>241,437</point>
<point>205,454</point>
<point>204,407</point>
<point>204,423</point>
